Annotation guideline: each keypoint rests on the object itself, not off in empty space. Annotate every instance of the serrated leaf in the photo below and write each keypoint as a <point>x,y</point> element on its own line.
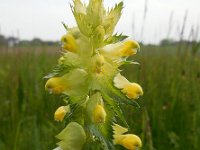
<point>129,63</point>
<point>105,143</point>
<point>116,108</point>
<point>59,70</point>
<point>65,26</point>
<point>82,22</point>
<point>115,38</point>
<point>112,18</point>
<point>72,137</point>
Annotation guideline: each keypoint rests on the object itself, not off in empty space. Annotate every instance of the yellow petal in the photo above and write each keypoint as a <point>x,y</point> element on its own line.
<point>129,48</point>
<point>55,85</point>
<point>69,43</point>
<point>131,142</point>
<point>117,50</point>
<point>120,81</point>
<point>71,83</point>
<point>61,112</point>
<point>132,90</point>
<point>111,51</point>
<point>99,114</point>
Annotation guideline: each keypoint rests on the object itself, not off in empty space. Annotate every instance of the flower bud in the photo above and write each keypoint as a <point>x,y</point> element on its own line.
<point>99,114</point>
<point>54,85</point>
<point>99,61</point>
<point>131,142</point>
<point>61,112</point>
<point>133,90</point>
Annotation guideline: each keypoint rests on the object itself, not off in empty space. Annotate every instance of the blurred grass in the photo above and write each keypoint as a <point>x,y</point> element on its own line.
<point>169,117</point>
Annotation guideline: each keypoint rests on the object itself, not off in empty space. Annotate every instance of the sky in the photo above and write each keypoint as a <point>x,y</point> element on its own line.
<point>28,19</point>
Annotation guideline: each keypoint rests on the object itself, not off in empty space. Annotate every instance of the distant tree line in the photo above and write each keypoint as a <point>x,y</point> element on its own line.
<point>13,41</point>
<point>166,42</point>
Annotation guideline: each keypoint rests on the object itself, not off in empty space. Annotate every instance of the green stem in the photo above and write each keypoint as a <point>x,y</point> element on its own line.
<point>147,128</point>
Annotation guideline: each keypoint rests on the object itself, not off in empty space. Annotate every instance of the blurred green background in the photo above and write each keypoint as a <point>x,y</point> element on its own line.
<point>169,117</point>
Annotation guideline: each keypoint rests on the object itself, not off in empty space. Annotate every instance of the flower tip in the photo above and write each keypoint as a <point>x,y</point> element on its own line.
<point>132,44</point>
<point>69,43</point>
<point>48,84</point>
<point>54,86</point>
<point>130,48</point>
<point>61,112</point>
<point>133,91</point>
<point>131,142</point>
<point>99,114</point>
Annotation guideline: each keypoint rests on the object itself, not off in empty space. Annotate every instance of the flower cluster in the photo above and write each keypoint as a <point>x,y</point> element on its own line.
<point>88,77</point>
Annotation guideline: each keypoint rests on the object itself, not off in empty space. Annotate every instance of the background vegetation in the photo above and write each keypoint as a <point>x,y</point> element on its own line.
<point>169,117</point>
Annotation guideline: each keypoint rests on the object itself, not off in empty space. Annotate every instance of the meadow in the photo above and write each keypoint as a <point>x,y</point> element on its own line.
<point>169,116</point>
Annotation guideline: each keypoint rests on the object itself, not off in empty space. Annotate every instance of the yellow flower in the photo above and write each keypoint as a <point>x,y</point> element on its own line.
<point>129,48</point>
<point>71,83</point>
<point>99,114</point>
<point>61,112</point>
<point>55,85</point>
<point>132,90</point>
<point>129,141</point>
<point>69,43</point>
<point>118,50</point>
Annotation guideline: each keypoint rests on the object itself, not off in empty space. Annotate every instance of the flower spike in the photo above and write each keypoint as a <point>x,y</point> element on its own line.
<point>87,78</point>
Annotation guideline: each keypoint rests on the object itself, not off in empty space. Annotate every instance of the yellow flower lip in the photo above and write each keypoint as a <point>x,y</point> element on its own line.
<point>123,49</point>
<point>54,85</point>
<point>99,114</point>
<point>132,90</point>
<point>61,112</point>
<point>129,141</point>
<point>69,43</point>
<point>129,48</point>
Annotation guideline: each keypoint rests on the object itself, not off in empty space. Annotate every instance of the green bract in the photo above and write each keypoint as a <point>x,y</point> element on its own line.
<point>89,80</point>
<point>72,137</point>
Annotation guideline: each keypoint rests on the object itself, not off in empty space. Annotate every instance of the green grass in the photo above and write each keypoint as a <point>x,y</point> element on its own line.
<point>169,117</point>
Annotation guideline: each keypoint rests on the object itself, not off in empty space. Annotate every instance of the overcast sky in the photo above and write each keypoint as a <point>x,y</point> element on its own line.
<point>42,18</point>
